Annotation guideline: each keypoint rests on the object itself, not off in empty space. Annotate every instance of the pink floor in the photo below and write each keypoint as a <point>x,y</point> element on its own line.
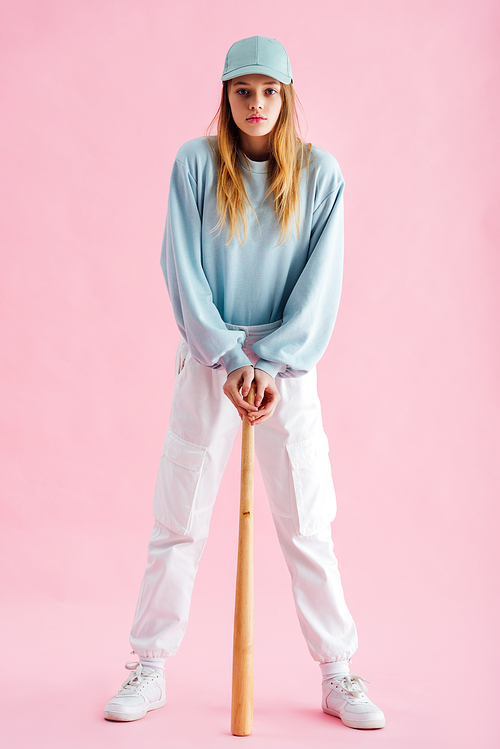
<point>63,657</point>
<point>55,700</point>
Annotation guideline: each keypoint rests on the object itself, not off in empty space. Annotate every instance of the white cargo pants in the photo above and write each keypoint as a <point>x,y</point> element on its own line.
<point>292,451</point>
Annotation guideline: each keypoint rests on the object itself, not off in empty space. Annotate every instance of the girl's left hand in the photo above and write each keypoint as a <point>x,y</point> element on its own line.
<point>267,398</point>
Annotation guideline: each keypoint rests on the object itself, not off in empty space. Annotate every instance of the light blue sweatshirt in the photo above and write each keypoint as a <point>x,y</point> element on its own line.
<point>210,283</point>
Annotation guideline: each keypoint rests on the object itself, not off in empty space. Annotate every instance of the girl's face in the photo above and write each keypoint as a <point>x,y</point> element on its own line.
<point>255,102</point>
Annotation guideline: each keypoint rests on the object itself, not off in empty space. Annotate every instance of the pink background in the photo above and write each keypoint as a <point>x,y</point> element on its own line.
<point>97,96</point>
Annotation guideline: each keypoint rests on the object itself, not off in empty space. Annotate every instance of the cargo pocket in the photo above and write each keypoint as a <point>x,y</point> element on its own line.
<point>312,483</point>
<point>177,482</point>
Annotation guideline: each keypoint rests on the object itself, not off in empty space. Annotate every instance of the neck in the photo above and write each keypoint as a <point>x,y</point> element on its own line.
<point>255,147</point>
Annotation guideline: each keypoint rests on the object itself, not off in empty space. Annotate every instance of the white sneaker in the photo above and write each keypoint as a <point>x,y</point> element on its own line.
<point>144,690</point>
<point>345,697</point>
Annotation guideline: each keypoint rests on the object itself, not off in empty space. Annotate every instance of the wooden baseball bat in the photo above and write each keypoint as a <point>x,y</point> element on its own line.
<point>243,638</point>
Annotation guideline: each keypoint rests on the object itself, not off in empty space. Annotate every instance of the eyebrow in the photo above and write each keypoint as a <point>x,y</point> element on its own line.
<point>266,83</point>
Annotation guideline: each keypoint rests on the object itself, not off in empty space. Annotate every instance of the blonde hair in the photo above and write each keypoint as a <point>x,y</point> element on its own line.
<point>288,154</point>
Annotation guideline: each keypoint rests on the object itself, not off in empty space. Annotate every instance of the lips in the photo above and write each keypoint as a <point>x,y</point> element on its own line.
<point>256,119</point>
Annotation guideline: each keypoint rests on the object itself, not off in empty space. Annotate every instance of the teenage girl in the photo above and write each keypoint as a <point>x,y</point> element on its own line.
<point>252,256</point>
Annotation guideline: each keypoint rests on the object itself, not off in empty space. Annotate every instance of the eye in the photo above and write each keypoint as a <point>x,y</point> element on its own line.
<point>242,91</point>
<point>271,91</point>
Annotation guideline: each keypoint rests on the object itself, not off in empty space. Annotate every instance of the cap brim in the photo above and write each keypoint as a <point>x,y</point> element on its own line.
<point>259,69</point>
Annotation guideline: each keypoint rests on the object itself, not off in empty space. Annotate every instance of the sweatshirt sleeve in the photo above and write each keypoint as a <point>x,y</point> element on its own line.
<point>311,309</point>
<point>196,315</point>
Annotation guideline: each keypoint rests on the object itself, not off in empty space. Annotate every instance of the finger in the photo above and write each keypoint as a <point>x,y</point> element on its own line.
<point>244,408</point>
<point>262,413</point>
<point>259,420</point>
<point>270,401</point>
<point>232,391</point>
<point>247,382</point>
<point>265,411</point>
<point>241,406</point>
<point>238,401</point>
<point>259,395</point>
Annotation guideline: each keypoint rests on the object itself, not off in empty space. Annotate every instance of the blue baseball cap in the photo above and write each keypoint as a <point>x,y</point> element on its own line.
<point>258,54</point>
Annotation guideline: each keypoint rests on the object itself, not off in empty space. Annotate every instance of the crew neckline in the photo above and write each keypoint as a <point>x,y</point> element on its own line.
<point>256,167</point>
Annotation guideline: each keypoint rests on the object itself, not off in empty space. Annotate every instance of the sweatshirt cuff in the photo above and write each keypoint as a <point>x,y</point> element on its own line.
<point>271,367</point>
<point>235,359</point>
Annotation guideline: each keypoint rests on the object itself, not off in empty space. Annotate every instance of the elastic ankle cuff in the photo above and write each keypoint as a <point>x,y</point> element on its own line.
<point>335,668</point>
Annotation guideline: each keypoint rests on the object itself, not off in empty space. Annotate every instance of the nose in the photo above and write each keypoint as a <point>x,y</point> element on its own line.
<point>256,102</point>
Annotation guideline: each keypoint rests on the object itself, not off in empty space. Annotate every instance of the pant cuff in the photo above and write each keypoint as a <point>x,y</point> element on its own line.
<point>333,669</point>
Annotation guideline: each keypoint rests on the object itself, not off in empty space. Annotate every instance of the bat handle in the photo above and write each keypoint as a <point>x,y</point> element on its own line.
<point>243,638</point>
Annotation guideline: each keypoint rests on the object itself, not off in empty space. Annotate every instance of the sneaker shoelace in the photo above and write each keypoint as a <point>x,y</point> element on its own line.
<point>353,684</point>
<point>136,677</point>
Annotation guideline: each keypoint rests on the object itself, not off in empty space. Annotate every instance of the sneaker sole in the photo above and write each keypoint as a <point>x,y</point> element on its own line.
<point>121,717</point>
<point>364,724</point>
